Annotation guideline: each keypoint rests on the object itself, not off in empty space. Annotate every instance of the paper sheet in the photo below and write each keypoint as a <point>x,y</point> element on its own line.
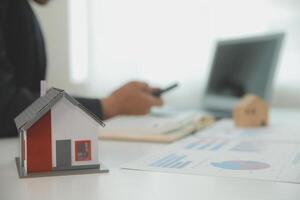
<point>237,155</point>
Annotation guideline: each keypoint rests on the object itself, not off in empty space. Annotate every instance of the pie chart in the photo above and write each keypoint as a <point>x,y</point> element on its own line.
<point>241,165</point>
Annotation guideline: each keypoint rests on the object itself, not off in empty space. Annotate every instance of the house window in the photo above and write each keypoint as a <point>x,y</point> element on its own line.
<point>83,150</point>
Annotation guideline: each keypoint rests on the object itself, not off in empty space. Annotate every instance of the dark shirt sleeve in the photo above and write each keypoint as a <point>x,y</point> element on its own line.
<point>94,105</point>
<point>13,98</point>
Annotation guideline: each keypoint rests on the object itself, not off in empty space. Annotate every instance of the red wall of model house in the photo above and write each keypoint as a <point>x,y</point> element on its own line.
<point>39,153</point>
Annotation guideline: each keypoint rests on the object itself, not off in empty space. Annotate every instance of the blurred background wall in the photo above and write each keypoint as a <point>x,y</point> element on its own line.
<point>94,46</point>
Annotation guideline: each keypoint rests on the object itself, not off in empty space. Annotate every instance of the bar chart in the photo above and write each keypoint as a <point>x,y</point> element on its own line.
<point>211,144</point>
<point>171,161</point>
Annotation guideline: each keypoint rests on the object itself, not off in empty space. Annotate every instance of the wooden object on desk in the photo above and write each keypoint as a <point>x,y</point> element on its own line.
<point>251,111</point>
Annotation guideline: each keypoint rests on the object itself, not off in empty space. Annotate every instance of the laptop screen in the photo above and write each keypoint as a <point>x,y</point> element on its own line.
<point>239,67</point>
<point>244,66</point>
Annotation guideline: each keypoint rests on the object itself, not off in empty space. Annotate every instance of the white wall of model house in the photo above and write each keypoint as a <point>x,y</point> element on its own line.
<point>70,122</point>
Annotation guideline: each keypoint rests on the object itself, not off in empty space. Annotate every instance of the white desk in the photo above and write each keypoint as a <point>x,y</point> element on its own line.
<point>125,184</point>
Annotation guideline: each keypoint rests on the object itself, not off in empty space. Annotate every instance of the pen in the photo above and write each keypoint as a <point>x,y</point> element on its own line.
<point>164,90</point>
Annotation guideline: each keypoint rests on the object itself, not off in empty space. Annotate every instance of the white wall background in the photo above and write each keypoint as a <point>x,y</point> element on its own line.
<point>161,41</point>
<point>55,21</point>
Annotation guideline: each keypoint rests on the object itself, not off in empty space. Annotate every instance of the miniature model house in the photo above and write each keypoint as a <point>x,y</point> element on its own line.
<point>251,111</point>
<point>57,134</point>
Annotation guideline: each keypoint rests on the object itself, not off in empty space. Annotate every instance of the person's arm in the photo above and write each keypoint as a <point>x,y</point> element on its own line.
<point>133,98</point>
<point>13,98</point>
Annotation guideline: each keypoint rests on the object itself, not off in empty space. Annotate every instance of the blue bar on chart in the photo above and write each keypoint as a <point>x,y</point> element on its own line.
<point>171,161</point>
<point>196,144</point>
<point>207,144</point>
<point>219,146</point>
<point>163,160</point>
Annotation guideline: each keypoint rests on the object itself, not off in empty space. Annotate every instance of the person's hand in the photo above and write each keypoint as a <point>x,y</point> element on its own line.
<point>134,98</point>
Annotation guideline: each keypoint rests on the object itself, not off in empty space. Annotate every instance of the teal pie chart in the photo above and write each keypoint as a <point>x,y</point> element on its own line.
<point>241,165</point>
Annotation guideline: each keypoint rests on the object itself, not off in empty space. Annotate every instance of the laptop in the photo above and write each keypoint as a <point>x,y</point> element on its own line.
<point>241,66</point>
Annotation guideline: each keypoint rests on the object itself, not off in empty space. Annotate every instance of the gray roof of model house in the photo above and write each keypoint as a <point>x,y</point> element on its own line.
<point>43,104</point>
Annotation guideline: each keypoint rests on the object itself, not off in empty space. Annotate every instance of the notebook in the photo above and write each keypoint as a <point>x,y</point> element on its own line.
<point>153,128</point>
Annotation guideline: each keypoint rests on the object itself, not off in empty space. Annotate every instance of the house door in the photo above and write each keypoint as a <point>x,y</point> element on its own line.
<point>63,154</point>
